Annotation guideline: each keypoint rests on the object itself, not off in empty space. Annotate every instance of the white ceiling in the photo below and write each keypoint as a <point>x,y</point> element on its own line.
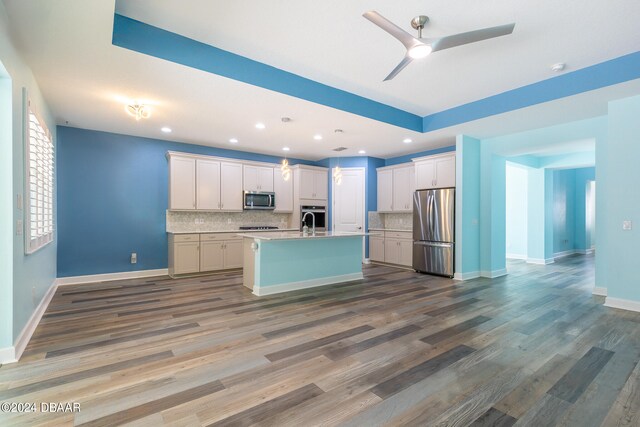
<point>85,79</point>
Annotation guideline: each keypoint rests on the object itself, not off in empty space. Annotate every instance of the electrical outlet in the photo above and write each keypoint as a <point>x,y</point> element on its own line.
<point>228,220</point>
<point>134,258</point>
<point>627,224</point>
<point>19,227</point>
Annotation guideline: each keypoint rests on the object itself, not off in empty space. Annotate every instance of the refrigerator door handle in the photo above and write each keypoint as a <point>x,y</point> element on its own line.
<point>434,244</point>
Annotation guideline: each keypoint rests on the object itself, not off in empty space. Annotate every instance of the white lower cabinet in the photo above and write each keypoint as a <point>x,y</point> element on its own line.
<point>199,253</point>
<point>376,248</point>
<point>392,247</point>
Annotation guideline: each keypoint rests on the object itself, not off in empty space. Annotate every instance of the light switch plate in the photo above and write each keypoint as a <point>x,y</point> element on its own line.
<point>627,224</point>
<point>19,201</point>
<point>19,227</point>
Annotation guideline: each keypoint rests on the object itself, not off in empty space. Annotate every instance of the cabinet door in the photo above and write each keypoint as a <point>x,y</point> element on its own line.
<point>182,183</point>
<point>391,251</point>
<point>425,174</point>
<point>376,248</point>
<point>385,191</point>
<point>321,185</point>
<point>186,257</point>
<point>307,184</point>
<point>231,186</point>
<point>402,189</point>
<point>250,178</point>
<point>284,192</point>
<point>208,184</point>
<point>211,256</point>
<point>265,179</point>
<point>405,256</point>
<point>233,254</point>
<point>445,172</point>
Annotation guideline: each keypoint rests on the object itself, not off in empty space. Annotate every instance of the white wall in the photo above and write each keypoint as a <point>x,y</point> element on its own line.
<point>516,211</point>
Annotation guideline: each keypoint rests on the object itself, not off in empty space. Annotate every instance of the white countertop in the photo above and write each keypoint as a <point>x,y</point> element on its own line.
<point>298,235</point>
<point>391,229</point>
<point>279,230</point>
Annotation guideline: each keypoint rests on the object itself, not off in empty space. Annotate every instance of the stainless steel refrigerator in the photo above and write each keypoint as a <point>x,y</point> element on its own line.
<point>433,231</point>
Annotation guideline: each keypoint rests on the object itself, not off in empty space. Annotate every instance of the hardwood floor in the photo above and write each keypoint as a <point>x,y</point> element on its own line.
<point>398,348</point>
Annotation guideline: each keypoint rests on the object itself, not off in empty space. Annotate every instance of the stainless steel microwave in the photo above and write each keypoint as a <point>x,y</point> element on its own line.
<point>259,200</point>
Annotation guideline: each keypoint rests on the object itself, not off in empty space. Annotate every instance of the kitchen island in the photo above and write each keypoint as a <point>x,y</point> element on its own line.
<point>282,262</point>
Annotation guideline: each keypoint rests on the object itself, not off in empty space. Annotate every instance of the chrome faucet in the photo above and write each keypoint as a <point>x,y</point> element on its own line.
<point>313,221</point>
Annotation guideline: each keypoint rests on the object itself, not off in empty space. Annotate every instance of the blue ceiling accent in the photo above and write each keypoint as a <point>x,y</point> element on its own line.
<point>140,37</point>
<point>144,38</point>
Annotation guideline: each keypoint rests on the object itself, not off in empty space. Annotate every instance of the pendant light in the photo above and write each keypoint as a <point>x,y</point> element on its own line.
<point>337,174</point>
<point>285,169</point>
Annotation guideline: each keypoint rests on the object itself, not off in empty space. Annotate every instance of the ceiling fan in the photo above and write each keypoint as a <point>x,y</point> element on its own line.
<point>418,48</point>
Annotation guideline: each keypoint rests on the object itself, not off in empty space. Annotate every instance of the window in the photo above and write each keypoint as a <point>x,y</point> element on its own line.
<point>39,152</point>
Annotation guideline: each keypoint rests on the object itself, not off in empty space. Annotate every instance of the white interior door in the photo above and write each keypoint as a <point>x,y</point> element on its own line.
<point>348,201</point>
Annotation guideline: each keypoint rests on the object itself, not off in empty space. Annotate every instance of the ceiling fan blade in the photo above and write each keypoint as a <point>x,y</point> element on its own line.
<point>406,61</point>
<point>470,37</point>
<point>405,38</point>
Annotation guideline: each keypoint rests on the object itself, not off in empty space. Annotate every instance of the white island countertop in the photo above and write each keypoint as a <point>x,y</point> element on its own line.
<point>299,235</point>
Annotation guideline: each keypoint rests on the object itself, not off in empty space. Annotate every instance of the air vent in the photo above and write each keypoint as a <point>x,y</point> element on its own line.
<point>340,149</point>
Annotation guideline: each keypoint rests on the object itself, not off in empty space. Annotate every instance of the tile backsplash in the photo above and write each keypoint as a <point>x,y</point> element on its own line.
<point>202,222</point>
<point>397,221</point>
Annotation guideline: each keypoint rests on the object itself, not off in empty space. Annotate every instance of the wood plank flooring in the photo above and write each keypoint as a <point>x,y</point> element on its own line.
<point>534,348</point>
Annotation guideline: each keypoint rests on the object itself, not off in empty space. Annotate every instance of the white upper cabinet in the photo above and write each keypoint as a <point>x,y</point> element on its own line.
<point>403,188</point>
<point>207,184</point>
<point>313,184</point>
<point>230,186</point>
<point>284,192</point>
<point>395,189</point>
<point>437,171</point>
<point>258,178</point>
<point>182,183</point>
<point>385,191</point>
<point>204,183</point>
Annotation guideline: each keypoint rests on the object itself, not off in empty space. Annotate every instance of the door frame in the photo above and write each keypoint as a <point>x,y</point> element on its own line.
<point>364,203</point>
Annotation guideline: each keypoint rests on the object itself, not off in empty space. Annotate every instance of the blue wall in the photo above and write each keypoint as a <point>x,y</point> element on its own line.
<point>112,198</point>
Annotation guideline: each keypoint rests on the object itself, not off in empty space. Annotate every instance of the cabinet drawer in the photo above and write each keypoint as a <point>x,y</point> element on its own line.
<point>218,237</point>
<point>186,237</point>
<point>399,235</point>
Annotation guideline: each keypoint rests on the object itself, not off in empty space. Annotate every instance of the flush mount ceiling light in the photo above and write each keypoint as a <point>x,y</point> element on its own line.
<point>138,110</point>
<point>233,140</point>
<point>260,125</point>
<point>166,129</point>
<point>361,152</point>
<point>338,131</point>
<point>560,66</point>
<point>407,141</point>
<point>317,137</point>
<point>285,149</point>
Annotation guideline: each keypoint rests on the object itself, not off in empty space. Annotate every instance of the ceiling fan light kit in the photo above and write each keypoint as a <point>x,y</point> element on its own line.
<point>419,47</point>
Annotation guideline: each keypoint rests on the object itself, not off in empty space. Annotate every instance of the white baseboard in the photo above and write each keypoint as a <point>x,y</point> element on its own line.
<point>623,304</point>
<point>540,261</point>
<point>564,253</point>
<point>366,261</point>
<point>516,256</point>
<point>493,274</point>
<point>305,284</point>
<point>12,354</point>
<point>599,291</point>
<point>466,276</point>
<point>584,251</point>
<point>94,278</point>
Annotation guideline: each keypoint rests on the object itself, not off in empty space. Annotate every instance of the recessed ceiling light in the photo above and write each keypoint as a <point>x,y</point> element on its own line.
<point>285,148</point>
<point>166,129</point>
<point>407,141</point>
<point>361,152</point>
<point>260,125</point>
<point>317,137</point>
<point>233,140</point>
